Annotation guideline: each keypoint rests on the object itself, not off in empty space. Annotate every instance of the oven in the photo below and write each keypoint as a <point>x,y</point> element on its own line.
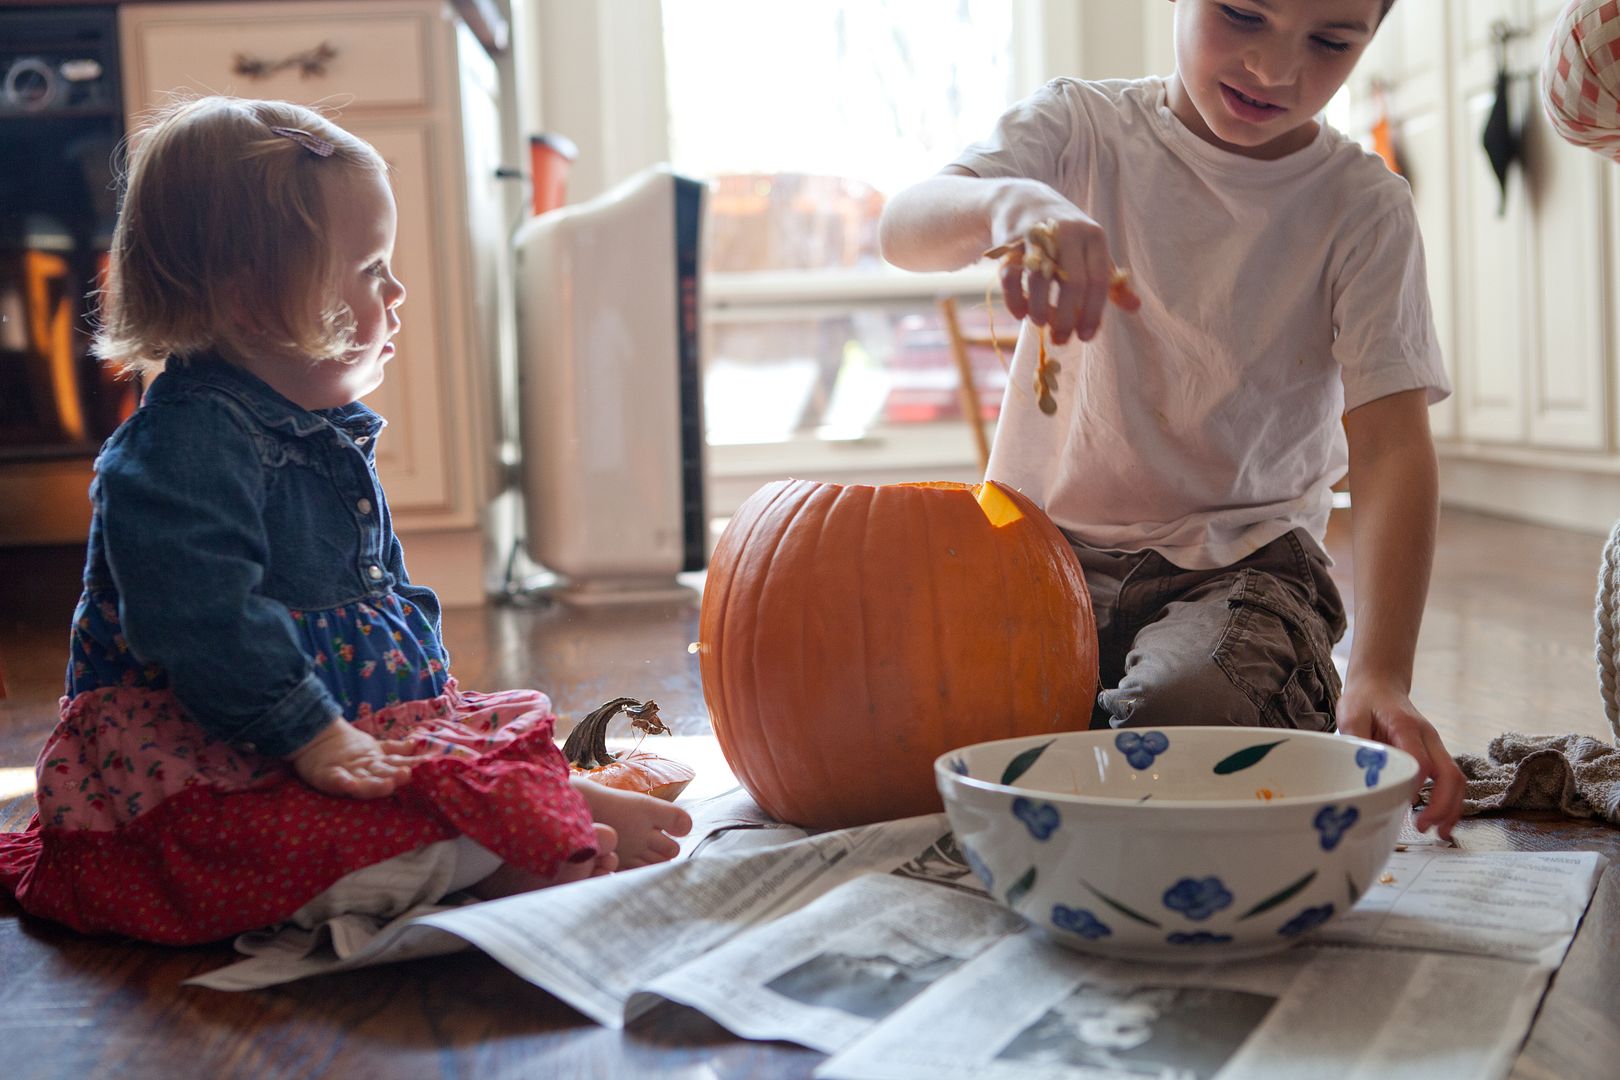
<point>61,119</point>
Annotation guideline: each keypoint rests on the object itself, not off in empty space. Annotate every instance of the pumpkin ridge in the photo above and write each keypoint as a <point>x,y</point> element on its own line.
<point>718,592</point>
<point>863,647</point>
<point>717,634</point>
<point>850,508</point>
<point>825,516</point>
<point>1008,723</point>
<point>941,687</point>
<point>801,495</point>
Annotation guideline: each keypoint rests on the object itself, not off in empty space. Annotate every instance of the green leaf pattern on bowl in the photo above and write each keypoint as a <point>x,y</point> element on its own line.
<point>1129,913</point>
<point>1246,758</point>
<point>1020,765</point>
<point>1279,898</point>
<point>1020,888</point>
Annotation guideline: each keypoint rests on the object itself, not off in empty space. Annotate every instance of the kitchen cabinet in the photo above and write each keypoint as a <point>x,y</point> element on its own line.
<point>409,77</point>
<point>1523,283</point>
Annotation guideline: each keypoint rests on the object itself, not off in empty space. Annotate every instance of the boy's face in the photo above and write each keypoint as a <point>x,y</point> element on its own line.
<point>1251,75</point>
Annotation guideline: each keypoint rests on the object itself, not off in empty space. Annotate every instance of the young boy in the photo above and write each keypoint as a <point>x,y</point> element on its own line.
<point>1187,449</point>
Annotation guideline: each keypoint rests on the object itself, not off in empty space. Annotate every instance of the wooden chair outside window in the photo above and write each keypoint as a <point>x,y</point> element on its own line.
<point>967,384</point>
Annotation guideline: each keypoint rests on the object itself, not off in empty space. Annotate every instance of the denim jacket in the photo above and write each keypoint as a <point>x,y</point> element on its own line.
<point>218,506</point>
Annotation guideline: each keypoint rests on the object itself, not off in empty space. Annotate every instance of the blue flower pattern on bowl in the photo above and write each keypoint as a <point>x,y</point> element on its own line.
<point>1139,749</point>
<point>1373,761</point>
<point>1040,818</point>
<point>976,864</point>
<point>1332,823</point>
<point>1079,921</point>
<point>1198,937</point>
<point>958,766</point>
<point>1309,919</point>
<point>1197,898</point>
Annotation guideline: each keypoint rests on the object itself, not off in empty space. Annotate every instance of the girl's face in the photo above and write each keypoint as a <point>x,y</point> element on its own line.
<point>363,219</point>
<point>1251,75</point>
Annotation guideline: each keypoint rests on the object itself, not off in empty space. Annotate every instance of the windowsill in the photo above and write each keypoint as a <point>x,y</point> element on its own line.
<point>885,455</point>
<point>847,288</point>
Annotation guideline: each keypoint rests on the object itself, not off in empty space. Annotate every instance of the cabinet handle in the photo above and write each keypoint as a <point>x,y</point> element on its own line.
<point>310,63</point>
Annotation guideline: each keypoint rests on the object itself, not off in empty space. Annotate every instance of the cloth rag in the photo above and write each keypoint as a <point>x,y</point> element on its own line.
<point>1574,774</point>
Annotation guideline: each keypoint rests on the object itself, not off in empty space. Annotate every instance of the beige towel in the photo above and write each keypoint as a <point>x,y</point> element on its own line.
<point>1574,774</point>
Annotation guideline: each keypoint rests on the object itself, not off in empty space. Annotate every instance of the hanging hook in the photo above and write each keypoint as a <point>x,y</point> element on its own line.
<point>1503,31</point>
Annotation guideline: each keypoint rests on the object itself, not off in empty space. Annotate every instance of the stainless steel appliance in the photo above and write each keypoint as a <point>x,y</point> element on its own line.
<point>61,118</point>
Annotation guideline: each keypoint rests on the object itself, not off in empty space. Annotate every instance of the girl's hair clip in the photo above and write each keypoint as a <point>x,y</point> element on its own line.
<point>313,143</point>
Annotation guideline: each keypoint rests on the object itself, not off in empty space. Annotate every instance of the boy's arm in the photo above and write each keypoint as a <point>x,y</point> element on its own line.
<point>952,218</point>
<point>1394,484</point>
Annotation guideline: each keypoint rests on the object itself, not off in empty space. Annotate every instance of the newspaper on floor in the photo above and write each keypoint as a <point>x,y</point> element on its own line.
<point>877,946</point>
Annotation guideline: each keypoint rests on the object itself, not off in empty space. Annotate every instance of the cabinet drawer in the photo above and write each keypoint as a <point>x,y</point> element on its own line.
<point>271,51</point>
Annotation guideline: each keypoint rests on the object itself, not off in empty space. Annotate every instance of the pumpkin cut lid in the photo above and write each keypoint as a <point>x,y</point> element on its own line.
<point>996,504</point>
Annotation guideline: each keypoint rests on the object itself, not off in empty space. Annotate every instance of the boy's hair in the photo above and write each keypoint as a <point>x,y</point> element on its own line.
<point>1387,5</point>
<point>225,221</point>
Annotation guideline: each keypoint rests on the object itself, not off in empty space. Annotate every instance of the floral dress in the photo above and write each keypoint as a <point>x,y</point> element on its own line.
<point>149,827</point>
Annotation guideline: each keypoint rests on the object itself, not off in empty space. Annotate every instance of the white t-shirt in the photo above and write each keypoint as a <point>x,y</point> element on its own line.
<point>1276,295</point>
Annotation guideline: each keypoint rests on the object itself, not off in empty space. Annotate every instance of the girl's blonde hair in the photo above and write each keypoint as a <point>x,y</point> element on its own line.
<point>224,225</point>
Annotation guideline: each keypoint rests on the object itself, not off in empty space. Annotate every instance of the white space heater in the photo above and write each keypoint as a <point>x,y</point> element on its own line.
<point>611,398</point>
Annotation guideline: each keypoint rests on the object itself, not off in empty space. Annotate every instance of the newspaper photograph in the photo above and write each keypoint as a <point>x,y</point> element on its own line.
<point>829,972</point>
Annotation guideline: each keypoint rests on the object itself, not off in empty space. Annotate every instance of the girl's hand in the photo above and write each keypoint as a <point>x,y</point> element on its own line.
<point>343,760</point>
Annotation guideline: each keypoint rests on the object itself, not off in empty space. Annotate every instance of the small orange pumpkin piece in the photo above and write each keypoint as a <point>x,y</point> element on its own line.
<point>851,635</point>
<point>588,755</point>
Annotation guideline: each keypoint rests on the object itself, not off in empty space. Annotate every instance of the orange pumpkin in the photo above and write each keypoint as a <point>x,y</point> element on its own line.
<point>851,635</point>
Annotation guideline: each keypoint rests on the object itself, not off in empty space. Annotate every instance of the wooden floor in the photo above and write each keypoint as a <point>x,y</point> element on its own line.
<point>1506,645</point>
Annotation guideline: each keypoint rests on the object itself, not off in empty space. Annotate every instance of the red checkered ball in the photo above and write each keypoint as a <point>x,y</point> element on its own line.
<point>1580,80</point>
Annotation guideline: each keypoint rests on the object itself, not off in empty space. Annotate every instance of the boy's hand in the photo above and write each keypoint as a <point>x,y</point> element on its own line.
<point>1389,717</point>
<point>1069,291</point>
<point>343,760</point>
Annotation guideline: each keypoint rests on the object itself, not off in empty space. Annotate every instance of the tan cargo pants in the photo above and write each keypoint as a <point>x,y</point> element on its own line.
<point>1249,644</point>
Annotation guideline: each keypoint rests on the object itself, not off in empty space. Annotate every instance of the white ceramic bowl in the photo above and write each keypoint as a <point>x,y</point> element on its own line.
<point>1186,843</point>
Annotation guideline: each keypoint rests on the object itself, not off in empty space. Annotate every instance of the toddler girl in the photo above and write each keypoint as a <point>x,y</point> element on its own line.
<point>259,724</point>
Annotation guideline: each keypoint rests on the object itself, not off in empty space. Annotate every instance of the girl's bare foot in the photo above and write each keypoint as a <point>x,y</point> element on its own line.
<point>646,826</point>
<point>509,880</point>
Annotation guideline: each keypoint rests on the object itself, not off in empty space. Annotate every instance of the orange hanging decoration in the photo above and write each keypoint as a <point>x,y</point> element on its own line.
<point>1383,133</point>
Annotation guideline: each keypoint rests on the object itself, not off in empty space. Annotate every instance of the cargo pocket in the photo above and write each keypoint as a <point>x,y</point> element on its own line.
<point>1276,650</point>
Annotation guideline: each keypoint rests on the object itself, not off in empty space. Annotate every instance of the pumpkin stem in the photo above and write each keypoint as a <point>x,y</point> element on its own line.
<point>586,745</point>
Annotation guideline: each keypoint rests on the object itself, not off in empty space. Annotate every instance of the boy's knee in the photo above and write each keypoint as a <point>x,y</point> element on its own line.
<point>1202,695</point>
<point>1206,694</point>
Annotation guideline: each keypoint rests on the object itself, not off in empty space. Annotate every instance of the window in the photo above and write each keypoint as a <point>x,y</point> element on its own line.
<point>822,361</point>
<point>804,118</point>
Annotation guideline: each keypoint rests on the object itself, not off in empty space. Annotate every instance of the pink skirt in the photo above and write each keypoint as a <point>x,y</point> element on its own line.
<point>150,828</point>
